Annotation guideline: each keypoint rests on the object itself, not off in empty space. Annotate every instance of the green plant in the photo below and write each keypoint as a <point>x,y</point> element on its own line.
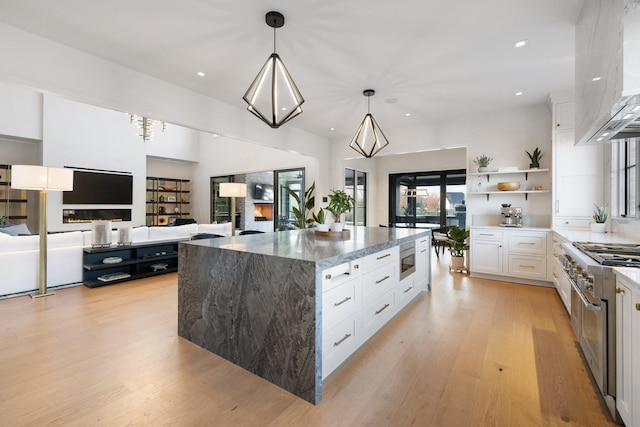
<point>458,241</point>
<point>3,220</point>
<point>320,217</point>
<point>339,203</point>
<point>600,214</point>
<point>483,161</point>
<point>535,157</point>
<point>305,206</point>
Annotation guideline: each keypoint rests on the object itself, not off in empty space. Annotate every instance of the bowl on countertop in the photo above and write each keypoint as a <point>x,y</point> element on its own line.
<point>508,186</point>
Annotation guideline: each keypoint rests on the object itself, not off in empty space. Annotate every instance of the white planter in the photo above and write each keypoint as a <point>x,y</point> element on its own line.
<point>457,263</point>
<point>598,227</point>
<point>323,227</point>
<point>483,169</point>
<point>337,227</point>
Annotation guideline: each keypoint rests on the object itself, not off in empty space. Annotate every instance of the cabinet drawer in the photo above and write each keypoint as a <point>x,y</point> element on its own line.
<point>379,258</point>
<point>528,242</point>
<point>377,313</point>
<point>530,267</point>
<point>334,276</point>
<point>339,343</point>
<point>406,291</point>
<point>486,234</point>
<point>340,302</point>
<point>378,281</point>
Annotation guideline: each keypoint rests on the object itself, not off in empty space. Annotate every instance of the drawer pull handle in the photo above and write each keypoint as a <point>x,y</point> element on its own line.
<point>619,290</point>
<point>382,280</point>
<point>408,289</point>
<point>638,306</point>
<point>527,266</point>
<point>423,241</point>
<point>526,243</point>
<point>383,256</point>
<point>423,251</point>
<point>329,276</point>
<point>341,340</point>
<point>555,275</point>
<point>486,234</point>
<point>383,309</point>
<point>337,304</point>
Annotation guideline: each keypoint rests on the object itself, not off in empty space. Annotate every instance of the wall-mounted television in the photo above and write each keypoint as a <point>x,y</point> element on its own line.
<point>263,192</point>
<point>99,188</point>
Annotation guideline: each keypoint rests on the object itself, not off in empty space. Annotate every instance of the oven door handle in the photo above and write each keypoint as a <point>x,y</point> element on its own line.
<point>588,304</point>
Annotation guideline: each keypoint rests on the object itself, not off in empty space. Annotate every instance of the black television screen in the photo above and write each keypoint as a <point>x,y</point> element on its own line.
<point>99,188</point>
<point>263,192</point>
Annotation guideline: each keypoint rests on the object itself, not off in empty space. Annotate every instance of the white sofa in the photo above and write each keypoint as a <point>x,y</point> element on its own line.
<point>19,255</point>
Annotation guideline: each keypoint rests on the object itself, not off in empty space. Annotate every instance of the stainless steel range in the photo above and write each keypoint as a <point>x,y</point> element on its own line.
<point>593,306</point>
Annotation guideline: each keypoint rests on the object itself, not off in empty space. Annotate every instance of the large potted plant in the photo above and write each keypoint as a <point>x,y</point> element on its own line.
<point>457,245</point>
<point>600,216</point>
<point>305,206</point>
<point>339,203</point>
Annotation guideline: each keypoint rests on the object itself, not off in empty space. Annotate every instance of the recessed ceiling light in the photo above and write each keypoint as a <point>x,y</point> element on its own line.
<point>407,114</point>
<point>519,93</point>
<point>520,43</point>
<point>595,79</point>
<point>215,135</point>
<point>201,74</point>
<point>332,128</point>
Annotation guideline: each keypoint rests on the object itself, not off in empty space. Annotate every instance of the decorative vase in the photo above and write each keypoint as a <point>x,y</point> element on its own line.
<point>598,227</point>
<point>457,263</point>
<point>323,227</point>
<point>337,227</point>
<point>483,169</point>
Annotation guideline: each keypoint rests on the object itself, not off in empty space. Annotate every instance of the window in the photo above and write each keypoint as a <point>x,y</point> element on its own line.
<point>355,185</point>
<point>624,179</point>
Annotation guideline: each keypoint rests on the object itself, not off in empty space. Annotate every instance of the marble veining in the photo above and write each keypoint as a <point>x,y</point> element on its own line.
<point>255,300</point>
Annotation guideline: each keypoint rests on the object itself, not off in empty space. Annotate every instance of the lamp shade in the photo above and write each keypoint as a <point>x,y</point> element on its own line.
<point>32,177</point>
<point>233,189</point>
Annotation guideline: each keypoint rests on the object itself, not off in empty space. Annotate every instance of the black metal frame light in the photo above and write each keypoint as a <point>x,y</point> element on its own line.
<point>279,103</point>
<point>369,138</point>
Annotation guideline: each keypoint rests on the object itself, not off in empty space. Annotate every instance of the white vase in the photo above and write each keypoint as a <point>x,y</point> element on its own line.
<point>483,169</point>
<point>337,227</point>
<point>598,227</point>
<point>323,227</point>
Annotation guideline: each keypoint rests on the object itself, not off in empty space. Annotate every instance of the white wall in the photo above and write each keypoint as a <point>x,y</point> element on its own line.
<point>22,116</point>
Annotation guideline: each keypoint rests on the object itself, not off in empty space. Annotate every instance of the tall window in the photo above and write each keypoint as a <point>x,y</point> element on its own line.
<point>355,185</point>
<point>624,179</point>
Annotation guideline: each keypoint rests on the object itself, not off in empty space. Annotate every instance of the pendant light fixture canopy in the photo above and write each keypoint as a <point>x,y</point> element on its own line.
<point>369,138</point>
<point>273,96</point>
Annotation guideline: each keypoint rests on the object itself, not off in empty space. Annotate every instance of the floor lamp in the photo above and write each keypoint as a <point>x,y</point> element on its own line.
<point>43,178</point>
<point>233,190</point>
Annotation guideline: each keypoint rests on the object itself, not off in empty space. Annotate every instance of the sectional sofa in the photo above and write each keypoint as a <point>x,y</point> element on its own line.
<point>19,255</point>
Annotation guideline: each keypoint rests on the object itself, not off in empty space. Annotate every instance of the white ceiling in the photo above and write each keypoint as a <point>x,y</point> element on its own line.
<point>437,59</point>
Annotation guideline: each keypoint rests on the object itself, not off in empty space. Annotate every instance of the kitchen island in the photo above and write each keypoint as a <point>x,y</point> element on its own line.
<point>257,300</point>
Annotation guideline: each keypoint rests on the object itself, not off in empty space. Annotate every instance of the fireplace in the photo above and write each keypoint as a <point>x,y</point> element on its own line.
<point>71,216</point>
<point>263,212</point>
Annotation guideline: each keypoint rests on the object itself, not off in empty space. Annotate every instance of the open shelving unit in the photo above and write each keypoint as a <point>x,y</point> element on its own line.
<point>167,199</point>
<point>13,202</point>
<point>488,191</point>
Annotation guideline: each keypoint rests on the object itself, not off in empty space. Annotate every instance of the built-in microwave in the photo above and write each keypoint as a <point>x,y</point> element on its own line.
<point>407,260</point>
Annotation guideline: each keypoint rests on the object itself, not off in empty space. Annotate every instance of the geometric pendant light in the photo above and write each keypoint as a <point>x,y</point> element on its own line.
<point>369,138</point>
<point>273,96</point>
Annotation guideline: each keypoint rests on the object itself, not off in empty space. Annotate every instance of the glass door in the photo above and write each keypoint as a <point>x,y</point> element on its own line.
<point>284,202</point>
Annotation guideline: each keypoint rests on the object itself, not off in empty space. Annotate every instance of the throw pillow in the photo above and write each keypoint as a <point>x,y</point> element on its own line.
<point>16,230</point>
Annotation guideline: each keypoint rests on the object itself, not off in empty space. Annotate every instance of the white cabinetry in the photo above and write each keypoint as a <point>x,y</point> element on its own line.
<point>512,254</point>
<point>578,180</point>
<point>559,279</point>
<point>628,350</point>
<point>361,296</point>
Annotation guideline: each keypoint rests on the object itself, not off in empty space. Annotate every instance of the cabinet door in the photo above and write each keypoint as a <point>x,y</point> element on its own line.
<point>624,374</point>
<point>423,267</point>
<point>486,256</point>
<point>635,354</point>
<point>564,116</point>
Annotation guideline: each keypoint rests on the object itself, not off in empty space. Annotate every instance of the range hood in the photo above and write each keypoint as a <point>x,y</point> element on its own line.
<point>608,71</point>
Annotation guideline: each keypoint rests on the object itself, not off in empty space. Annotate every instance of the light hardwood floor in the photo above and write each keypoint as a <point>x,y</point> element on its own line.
<point>470,353</point>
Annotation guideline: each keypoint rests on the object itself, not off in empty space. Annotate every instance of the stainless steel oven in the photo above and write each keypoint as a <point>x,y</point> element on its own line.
<point>593,318</point>
<point>407,259</point>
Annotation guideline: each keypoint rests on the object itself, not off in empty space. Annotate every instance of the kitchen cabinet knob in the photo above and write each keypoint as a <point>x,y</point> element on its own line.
<point>356,266</point>
<point>619,290</point>
<point>328,277</point>
<point>638,306</point>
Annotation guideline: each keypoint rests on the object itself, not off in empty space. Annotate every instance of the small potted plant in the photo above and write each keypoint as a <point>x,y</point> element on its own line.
<point>600,216</point>
<point>483,162</point>
<point>320,219</point>
<point>457,245</point>
<point>339,203</point>
<point>535,158</point>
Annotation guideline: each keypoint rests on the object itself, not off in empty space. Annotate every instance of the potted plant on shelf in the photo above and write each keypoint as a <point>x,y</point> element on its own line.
<point>600,216</point>
<point>320,219</point>
<point>339,203</point>
<point>457,245</point>
<point>535,158</point>
<point>483,162</point>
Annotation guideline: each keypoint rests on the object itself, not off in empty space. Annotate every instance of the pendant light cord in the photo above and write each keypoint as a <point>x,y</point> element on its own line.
<point>369,104</point>
<point>274,39</point>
